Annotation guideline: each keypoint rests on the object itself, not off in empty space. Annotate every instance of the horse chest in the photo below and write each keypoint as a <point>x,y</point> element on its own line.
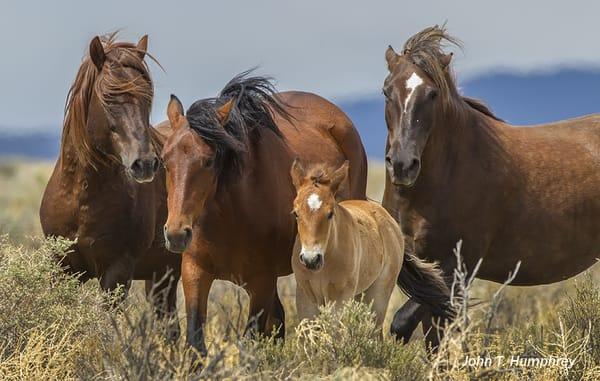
<point>112,217</point>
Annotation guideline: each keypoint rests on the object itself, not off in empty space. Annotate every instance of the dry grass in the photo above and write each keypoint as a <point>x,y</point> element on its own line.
<point>53,328</point>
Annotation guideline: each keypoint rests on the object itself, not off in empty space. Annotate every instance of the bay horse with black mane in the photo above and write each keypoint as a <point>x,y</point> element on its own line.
<point>230,193</point>
<point>455,171</point>
<point>107,189</point>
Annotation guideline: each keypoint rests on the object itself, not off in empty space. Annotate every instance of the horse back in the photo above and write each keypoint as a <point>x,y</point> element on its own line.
<point>377,229</point>
<point>320,132</point>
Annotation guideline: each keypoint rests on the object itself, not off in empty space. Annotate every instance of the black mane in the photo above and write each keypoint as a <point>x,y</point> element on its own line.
<point>481,107</point>
<point>255,101</point>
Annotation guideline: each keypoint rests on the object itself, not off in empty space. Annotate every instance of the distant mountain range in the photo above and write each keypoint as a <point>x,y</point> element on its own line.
<point>516,98</point>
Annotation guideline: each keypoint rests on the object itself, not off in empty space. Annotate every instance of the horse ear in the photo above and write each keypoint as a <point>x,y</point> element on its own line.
<point>391,57</point>
<point>446,59</point>
<point>338,177</point>
<point>175,112</point>
<point>224,111</point>
<point>298,174</point>
<point>142,46</point>
<point>97,54</point>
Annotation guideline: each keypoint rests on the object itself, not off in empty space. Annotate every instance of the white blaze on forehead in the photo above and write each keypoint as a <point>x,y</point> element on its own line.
<point>314,202</point>
<point>411,84</point>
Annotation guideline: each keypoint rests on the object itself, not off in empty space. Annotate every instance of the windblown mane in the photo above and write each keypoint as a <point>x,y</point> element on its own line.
<point>255,104</point>
<point>425,49</point>
<point>105,86</point>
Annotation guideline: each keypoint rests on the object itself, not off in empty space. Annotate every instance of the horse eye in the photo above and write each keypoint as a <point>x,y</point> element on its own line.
<point>208,163</point>
<point>433,95</point>
<point>330,215</point>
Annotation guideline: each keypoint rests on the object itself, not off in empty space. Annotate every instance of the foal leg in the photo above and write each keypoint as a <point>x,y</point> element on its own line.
<point>379,295</point>
<point>196,286</point>
<point>306,308</point>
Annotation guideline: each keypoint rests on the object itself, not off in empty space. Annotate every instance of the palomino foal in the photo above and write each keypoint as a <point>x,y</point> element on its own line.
<point>342,249</point>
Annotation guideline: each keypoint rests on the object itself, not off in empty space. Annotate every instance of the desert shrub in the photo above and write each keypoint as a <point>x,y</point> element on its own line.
<point>340,340</point>
<point>474,334</point>
<point>581,314</point>
<point>49,325</point>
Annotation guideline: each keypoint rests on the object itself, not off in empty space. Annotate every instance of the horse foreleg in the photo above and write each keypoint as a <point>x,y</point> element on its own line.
<point>163,295</point>
<point>118,274</point>
<point>277,317</point>
<point>196,286</point>
<point>433,329</point>
<point>406,320</point>
<point>262,294</point>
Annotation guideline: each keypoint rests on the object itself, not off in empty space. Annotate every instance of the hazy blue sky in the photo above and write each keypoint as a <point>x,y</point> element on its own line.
<point>334,48</point>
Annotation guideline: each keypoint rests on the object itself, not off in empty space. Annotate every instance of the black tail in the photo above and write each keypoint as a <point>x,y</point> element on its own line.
<point>424,282</point>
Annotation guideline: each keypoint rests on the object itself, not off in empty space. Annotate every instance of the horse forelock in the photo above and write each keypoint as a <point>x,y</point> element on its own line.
<point>106,86</point>
<point>255,103</point>
<point>319,174</point>
<point>426,50</point>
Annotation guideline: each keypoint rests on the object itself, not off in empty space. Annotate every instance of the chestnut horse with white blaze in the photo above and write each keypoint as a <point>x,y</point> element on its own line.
<point>107,191</point>
<point>455,171</point>
<point>230,194</point>
<point>350,249</point>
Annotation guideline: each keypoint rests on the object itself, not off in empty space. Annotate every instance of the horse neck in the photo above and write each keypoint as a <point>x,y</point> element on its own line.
<point>341,232</point>
<point>73,171</point>
<point>461,138</point>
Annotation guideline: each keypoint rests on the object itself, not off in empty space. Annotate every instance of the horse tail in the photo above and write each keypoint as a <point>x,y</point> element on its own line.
<point>424,282</point>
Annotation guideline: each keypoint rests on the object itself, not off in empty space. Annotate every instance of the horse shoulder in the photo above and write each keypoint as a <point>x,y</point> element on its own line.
<point>59,210</point>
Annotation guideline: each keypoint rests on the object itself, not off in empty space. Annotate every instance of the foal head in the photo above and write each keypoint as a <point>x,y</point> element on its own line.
<point>418,86</point>
<point>315,209</point>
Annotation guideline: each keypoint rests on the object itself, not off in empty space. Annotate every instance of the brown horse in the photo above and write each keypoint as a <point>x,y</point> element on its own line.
<point>229,190</point>
<point>102,192</point>
<point>455,171</point>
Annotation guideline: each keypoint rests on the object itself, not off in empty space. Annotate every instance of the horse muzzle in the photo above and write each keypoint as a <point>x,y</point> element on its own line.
<point>177,241</point>
<point>403,172</point>
<point>143,170</point>
<point>312,262</point>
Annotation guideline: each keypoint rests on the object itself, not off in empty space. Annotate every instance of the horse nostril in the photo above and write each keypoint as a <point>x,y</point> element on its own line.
<point>188,233</point>
<point>137,165</point>
<point>388,160</point>
<point>414,164</point>
<point>155,164</point>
